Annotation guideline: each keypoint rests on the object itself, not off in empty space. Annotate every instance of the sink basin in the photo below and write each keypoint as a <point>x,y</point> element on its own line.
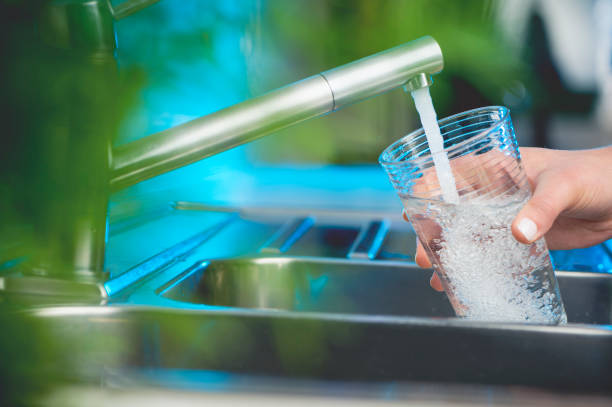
<point>355,287</point>
<point>379,321</point>
<point>330,320</point>
<point>311,285</point>
<point>364,316</point>
<point>177,314</point>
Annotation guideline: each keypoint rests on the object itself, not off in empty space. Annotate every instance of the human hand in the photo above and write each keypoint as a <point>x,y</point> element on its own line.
<point>571,204</point>
<point>422,260</point>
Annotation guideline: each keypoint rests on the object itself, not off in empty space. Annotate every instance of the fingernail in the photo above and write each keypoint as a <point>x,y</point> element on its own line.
<point>528,228</point>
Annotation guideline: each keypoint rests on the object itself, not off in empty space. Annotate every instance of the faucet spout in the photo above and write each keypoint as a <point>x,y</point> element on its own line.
<point>254,118</point>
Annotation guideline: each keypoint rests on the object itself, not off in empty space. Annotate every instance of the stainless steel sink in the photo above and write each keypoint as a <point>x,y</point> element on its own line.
<point>311,285</point>
<point>330,320</point>
<point>358,318</point>
<point>370,321</point>
<point>185,344</point>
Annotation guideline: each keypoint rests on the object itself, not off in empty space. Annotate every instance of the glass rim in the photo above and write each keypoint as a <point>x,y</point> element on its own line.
<point>447,120</point>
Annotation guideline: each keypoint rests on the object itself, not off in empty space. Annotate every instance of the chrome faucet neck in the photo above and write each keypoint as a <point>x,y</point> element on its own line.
<point>410,64</point>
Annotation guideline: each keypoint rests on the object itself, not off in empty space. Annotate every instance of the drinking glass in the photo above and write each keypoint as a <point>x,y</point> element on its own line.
<point>486,274</point>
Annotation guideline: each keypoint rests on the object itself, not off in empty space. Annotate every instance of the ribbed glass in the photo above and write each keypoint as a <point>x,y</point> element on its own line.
<point>486,273</point>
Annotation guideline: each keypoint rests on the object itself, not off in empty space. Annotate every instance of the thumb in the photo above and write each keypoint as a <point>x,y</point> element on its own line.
<point>552,195</point>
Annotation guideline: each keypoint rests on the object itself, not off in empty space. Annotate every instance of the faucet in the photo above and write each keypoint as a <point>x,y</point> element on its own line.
<point>410,65</point>
<point>87,28</point>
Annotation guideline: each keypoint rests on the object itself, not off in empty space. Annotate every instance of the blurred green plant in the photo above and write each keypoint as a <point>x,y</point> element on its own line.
<point>60,110</point>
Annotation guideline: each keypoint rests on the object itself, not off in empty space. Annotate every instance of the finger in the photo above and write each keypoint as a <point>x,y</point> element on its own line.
<point>423,261</point>
<point>534,162</point>
<point>435,282</point>
<point>421,258</point>
<point>553,194</point>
